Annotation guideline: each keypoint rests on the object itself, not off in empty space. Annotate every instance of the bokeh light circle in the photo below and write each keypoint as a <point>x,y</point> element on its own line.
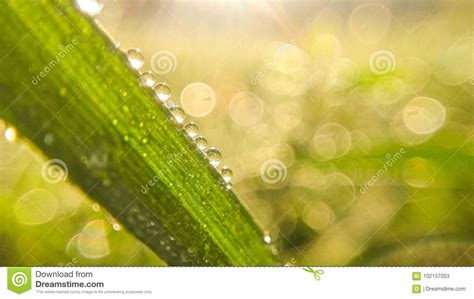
<point>36,207</point>
<point>318,215</point>
<point>330,141</point>
<point>370,22</point>
<point>418,172</point>
<point>198,99</point>
<point>92,242</point>
<point>424,115</point>
<point>246,109</point>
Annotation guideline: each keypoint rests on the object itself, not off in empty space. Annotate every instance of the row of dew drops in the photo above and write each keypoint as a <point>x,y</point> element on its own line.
<point>163,93</point>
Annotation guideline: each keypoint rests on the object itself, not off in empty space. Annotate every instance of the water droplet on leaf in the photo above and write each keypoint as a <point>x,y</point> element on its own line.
<point>10,134</point>
<point>63,91</point>
<point>267,239</point>
<point>147,79</point>
<point>191,129</point>
<point>136,59</point>
<point>48,139</point>
<point>90,7</point>
<point>116,226</point>
<point>226,174</point>
<point>162,91</point>
<point>214,156</point>
<point>201,142</point>
<point>178,114</point>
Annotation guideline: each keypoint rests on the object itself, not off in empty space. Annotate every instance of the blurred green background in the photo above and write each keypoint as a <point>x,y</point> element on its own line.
<point>348,125</point>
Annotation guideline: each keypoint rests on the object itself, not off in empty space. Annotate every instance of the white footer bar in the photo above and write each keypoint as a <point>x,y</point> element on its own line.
<point>257,282</point>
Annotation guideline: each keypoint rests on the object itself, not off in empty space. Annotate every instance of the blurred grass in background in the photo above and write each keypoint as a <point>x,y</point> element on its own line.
<point>348,126</point>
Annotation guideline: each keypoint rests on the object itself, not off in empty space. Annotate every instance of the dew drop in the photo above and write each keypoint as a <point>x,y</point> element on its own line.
<point>170,104</point>
<point>267,239</point>
<point>96,207</point>
<point>136,59</point>
<point>63,91</point>
<point>178,114</point>
<point>228,186</point>
<point>114,121</point>
<point>201,142</point>
<point>191,129</point>
<point>48,139</point>
<point>162,91</point>
<point>147,79</point>
<point>90,7</point>
<point>10,134</point>
<point>116,226</point>
<point>226,174</point>
<point>214,156</point>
